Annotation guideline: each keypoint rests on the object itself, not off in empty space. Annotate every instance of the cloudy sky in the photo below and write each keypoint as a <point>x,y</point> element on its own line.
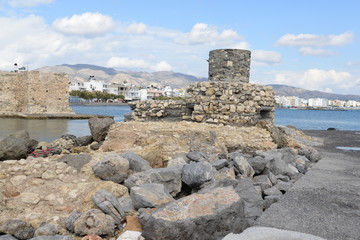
<point>312,44</point>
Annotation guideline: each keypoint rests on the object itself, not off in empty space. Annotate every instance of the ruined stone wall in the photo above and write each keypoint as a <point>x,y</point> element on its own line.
<point>33,92</point>
<point>231,103</point>
<point>156,110</point>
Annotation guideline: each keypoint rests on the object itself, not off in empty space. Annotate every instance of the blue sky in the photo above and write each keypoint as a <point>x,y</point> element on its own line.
<point>309,44</point>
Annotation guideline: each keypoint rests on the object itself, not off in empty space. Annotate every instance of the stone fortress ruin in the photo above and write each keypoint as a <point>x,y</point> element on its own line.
<point>34,92</point>
<point>227,98</point>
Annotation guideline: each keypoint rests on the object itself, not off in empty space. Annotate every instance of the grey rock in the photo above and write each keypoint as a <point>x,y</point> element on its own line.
<point>197,173</point>
<point>70,221</point>
<point>310,153</point>
<point>70,137</point>
<point>231,156</point>
<point>209,215</point>
<point>55,237</point>
<point>47,230</point>
<point>176,161</point>
<point>150,196</point>
<point>18,228</point>
<point>263,181</point>
<point>270,200</point>
<point>197,156</point>
<point>7,237</point>
<point>109,204</point>
<point>76,161</point>
<point>94,222</point>
<point>278,166</point>
<point>137,163</point>
<point>16,146</point>
<point>95,146</point>
<point>254,204</point>
<point>84,141</point>
<point>283,178</point>
<point>257,163</point>
<point>170,177</point>
<point>243,167</point>
<point>113,167</point>
<point>99,127</point>
<point>272,191</point>
<point>283,186</point>
<point>219,164</point>
<point>127,204</point>
<point>301,168</point>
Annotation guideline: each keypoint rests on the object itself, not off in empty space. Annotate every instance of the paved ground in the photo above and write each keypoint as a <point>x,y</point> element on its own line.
<point>326,201</point>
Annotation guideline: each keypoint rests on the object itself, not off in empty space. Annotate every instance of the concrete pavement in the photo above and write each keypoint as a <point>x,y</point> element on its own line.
<point>326,201</point>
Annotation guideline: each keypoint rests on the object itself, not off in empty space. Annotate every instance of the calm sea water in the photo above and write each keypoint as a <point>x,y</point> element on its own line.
<point>50,129</point>
<point>318,119</point>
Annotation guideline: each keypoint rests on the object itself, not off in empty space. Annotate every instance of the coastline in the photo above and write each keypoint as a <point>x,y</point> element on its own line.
<point>99,104</point>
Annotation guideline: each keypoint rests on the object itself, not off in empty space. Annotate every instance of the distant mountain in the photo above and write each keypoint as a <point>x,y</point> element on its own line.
<point>81,72</point>
<point>284,90</point>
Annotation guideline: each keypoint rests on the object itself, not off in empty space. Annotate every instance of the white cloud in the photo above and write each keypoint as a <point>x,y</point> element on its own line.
<point>201,33</point>
<point>351,64</point>
<point>313,79</point>
<point>262,57</point>
<point>306,51</point>
<point>241,45</point>
<point>162,66</point>
<point>88,24</point>
<point>136,28</point>
<point>315,40</point>
<point>28,3</point>
<point>124,62</point>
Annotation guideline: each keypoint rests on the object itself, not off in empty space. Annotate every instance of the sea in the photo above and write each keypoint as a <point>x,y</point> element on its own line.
<point>50,129</point>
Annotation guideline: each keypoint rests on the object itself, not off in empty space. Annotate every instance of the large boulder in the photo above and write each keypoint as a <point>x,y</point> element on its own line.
<point>94,222</point>
<point>243,167</point>
<point>67,142</point>
<point>16,146</point>
<point>210,215</point>
<point>195,174</point>
<point>254,204</point>
<point>18,228</point>
<point>109,204</point>
<point>99,127</point>
<point>113,167</point>
<point>170,177</point>
<point>47,230</point>
<point>137,163</point>
<point>257,163</point>
<point>197,156</point>
<point>150,195</point>
<point>84,141</point>
<point>279,167</point>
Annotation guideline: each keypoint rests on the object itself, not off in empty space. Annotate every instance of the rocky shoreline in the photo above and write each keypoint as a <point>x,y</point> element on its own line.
<point>152,180</point>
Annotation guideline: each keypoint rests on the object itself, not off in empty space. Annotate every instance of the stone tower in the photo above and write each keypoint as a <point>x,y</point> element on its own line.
<point>229,65</point>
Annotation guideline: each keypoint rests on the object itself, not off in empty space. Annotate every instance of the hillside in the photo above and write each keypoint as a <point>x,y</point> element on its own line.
<point>284,90</point>
<point>81,72</point>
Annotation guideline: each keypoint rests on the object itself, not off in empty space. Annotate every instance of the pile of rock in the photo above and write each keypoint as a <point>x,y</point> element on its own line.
<point>196,195</point>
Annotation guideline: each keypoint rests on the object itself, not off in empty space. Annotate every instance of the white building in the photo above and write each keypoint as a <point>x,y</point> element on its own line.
<point>95,85</point>
<point>318,102</point>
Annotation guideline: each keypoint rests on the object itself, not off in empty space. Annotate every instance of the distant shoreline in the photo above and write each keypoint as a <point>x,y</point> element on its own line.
<point>321,108</point>
<point>99,104</point>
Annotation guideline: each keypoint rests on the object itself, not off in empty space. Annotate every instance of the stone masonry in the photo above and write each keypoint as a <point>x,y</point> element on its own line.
<point>227,98</point>
<point>34,92</point>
